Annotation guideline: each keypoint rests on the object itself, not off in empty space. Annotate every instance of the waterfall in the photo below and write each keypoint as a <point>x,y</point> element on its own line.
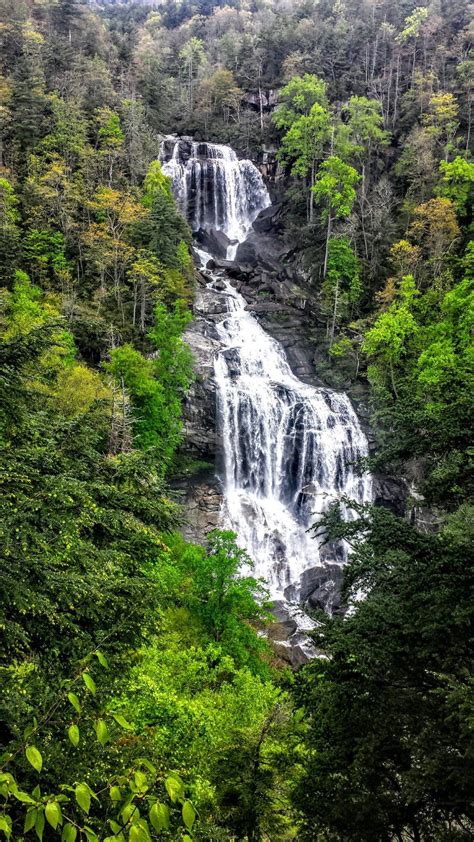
<point>289,449</point>
<point>214,189</point>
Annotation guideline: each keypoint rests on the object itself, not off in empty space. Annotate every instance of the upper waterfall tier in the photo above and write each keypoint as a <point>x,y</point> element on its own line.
<point>213,187</point>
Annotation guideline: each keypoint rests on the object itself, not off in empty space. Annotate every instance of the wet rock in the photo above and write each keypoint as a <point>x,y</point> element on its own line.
<point>259,307</point>
<point>320,587</point>
<point>199,409</point>
<point>261,250</point>
<point>232,358</point>
<point>392,493</point>
<point>232,268</point>
<point>247,254</point>
<point>289,634</point>
<point>265,100</point>
<point>285,625</point>
<point>207,303</point>
<point>214,241</point>
<point>269,220</point>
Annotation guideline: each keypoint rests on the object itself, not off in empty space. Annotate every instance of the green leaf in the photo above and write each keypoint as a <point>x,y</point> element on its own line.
<point>69,833</point>
<point>73,734</point>
<point>74,702</point>
<point>187,838</point>
<point>83,797</point>
<point>102,659</point>
<point>115,826</point>
<point>91,836</point>
<point>89,682</point>
<point>30,819</point>
<point>115,794</point>
<point>39,825</point>
<point>174,787</point>
<point>23,796</point>
<point>148,765</point>
<point>102,732</point>
<point>34,757</point>
<point>140,781</point>
<point>53,814</point>
<point>6,825</point>
<point>139,832</point>
<point>160,816</point>
<point>189,814</point>
<point>120,720</point>
<point>129,811</point>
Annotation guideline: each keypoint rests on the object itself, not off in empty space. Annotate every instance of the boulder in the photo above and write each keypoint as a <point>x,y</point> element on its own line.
<point>214,241</point>
<point>261,250</point>
<point>207,303</point>
<point>269,220</point>
<point>230,267</point>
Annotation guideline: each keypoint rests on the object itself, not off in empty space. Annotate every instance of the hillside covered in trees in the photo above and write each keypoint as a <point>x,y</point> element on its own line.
<point>142,698</point>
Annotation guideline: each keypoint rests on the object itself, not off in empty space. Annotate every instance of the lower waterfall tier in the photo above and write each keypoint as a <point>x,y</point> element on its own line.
<point>290,450</point>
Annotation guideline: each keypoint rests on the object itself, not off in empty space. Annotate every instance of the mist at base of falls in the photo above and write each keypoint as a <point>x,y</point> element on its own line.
<point>289,449</point>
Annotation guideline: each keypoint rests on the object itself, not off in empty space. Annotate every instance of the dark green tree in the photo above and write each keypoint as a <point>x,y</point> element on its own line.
<point>389,709</point>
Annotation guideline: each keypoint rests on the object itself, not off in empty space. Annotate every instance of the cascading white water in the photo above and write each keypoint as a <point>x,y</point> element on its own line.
<point>214,189</point>
<point>290,449</point>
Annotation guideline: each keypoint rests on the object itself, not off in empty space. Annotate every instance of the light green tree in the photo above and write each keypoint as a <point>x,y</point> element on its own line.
<point>446,363</point>
<point>155,182</point>
<point>335,188</point>
<point>303,145</point>
<point>226,598</point>
<point>297,98</point>
<point>9,230</point>
<point>364,135</point>
<point>386,342</point>
<point>412,31</point>
<point>192,56</point>
<point>110,139</point>
<point>443,119</point>
<point>342,285</point>
<point>365,123</point>
<point>457,183</point>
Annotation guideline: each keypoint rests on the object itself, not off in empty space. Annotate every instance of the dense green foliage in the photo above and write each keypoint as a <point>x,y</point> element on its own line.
<point>139,697</point>
<point>390,752</point>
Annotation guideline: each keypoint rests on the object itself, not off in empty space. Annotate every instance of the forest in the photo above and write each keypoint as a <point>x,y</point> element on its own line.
<point>142,698</point>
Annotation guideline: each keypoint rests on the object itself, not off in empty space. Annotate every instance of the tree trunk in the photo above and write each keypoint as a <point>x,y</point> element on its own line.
<point>135,301</point>
<point>328,237</point>
<point>397,91</point>
<point>392,378</point>
<point>334,315</point>
<point>469,124</point>
<point>142,305</point>
<point>362,210</point>
<point>260,100</point>
<point>311,194</point>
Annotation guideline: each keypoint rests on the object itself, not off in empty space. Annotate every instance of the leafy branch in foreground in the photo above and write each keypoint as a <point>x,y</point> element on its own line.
<point>138,803</point>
